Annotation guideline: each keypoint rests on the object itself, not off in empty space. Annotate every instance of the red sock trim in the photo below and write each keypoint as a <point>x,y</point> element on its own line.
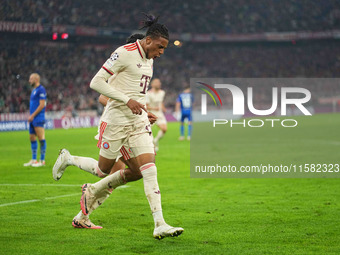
<point>146,166</point>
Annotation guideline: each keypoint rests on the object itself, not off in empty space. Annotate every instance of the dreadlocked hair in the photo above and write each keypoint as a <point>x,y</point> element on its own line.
<point>155,29</point>
<point>133,38</point>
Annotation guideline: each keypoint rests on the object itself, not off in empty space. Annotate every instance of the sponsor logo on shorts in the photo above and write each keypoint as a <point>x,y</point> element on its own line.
<point>106,145</point>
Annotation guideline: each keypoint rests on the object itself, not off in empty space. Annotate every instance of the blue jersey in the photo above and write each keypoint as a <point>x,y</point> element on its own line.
<point>39,93</point>
<point>186,102</point>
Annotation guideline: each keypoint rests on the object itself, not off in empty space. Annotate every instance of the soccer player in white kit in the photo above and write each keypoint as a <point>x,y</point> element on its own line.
<point>89,165</point>
<point>125,121</point>
<point>154,102</point>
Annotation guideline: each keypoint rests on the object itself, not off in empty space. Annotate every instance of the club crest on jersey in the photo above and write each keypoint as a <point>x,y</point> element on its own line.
<point>139,65</point>
<point>106,145</point>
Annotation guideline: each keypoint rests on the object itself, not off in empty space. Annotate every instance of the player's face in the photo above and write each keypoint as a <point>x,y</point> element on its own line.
<point>155,47</point>
<point>32,80</point>
<point>156,84</point>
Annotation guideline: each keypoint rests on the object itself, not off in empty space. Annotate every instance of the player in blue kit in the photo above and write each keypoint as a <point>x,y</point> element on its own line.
<point>37,120</point>
<point>184,103</point>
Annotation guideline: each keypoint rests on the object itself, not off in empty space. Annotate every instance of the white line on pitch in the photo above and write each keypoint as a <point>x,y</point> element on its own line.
<point>69,195</point>
<point>38,200</point>
<point>50,185</point>
<point>40,184</point>
<point>47,198</point>
<point>336,143</point>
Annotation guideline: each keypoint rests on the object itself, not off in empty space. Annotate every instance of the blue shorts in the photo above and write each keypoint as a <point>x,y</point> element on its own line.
<point>186,116</point>
<point>35,123</point>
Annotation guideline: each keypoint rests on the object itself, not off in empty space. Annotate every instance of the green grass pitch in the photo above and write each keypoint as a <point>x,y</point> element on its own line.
<point>220,216</point>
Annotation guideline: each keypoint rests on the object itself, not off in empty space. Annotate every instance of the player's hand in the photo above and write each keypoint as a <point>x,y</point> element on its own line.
<point>177,116</point>
<point>152,118</point>
<point>135,107</point>
<point>30,118</point>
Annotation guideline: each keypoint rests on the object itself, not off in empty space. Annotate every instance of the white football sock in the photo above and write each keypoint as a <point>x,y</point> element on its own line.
<point>89,165</point>
<point>100,200</point>
<point>101,197</point>
<point>149,172</point>
<point>159,135</point>
<point>81,216</point>
<point>109,182</point>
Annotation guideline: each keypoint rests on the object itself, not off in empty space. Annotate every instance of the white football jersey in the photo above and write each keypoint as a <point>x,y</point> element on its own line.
<point>155,99</point>
<point>132,73</point>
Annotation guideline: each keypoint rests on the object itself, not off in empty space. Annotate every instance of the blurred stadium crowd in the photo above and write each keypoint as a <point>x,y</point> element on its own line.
<point>218,16</point>
<point>67,71</point>
<point>67,68</point>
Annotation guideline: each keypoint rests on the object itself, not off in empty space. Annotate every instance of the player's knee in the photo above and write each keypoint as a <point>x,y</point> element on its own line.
<point>132,175</point>
<point>164,129</point>
<point>101,173</point>
<point>105,166</point>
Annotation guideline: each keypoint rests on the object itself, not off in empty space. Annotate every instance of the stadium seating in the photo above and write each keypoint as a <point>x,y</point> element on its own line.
<point>232,16</point>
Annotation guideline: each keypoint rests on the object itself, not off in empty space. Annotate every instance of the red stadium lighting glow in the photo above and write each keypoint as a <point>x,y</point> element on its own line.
<point>55,36</point>
<point>64,36</point>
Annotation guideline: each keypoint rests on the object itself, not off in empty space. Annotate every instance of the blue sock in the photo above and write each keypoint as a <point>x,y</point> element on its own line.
<point>182,130</point>
<point>42,149</point>
<point>34,148</point>
<point>189,130</point>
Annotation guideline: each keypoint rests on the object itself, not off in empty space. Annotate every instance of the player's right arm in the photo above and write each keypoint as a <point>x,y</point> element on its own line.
<point>177,108</point>
<point>42,103</point>
<point>115,64</point>
<point>178,105</point>
<point>152,118</point>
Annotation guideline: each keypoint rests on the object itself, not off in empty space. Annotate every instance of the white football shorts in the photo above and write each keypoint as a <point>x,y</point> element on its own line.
<point>128,141</point>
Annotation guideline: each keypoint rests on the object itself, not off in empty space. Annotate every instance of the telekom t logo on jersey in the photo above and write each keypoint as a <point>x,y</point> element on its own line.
<point>238,99</point>
<point>144,83</point>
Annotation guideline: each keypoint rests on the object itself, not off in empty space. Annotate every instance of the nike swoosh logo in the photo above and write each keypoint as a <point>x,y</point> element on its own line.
<point>87,225</point>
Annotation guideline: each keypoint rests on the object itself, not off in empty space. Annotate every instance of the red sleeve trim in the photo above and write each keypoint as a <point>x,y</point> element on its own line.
<point>107,70</point>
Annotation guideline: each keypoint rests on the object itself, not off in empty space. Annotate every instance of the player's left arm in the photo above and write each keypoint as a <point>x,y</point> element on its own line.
<point>103,100</point>
<point>42,103</point>
<point>178,105</point>
<point>163,107</point>
<point>178,108</point>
